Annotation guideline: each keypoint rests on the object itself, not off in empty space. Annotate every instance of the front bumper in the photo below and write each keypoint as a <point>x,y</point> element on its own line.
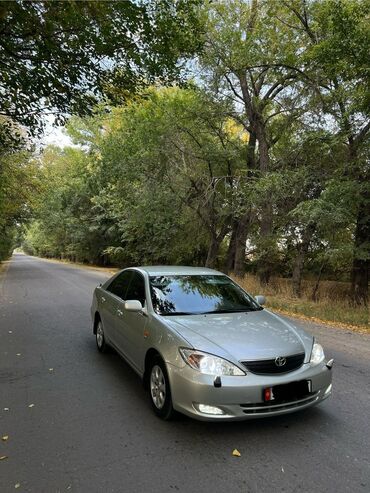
<point>240,397</point>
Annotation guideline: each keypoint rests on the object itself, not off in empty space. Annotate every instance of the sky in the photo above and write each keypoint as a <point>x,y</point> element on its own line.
<point>54,135</point>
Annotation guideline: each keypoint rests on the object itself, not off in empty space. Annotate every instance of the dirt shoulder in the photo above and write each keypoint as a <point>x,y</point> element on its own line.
<point>108,270</point>
<point>360,329</point>
<point>4,266</point>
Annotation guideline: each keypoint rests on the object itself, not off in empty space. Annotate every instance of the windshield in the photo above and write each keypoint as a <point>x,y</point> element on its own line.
<point>193,295</point>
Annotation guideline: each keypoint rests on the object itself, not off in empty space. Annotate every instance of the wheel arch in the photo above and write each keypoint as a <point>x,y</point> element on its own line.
<point>149,356</point>
<point>97,318</point>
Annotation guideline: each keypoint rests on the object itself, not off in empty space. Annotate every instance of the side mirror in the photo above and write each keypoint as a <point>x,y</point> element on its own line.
<point>261,300</point>
<point>133,306</point>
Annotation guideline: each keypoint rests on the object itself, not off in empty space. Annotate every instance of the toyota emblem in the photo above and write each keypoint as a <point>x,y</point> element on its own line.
<point>280,361</point>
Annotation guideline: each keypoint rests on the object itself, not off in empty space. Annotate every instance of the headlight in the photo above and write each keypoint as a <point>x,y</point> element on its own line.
<point>317,354</point>
<point>209,364</point>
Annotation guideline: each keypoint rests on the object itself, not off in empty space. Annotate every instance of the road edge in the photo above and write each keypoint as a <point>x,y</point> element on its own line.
<point>108,270</point>
<point>4,266</point>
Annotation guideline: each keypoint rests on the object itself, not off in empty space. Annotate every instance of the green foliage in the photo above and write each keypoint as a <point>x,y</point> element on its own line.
<point>143,188</point>
<point>18,186</point>
<point>62,56</point>
<point>264,160</point>
<point>66,223</point>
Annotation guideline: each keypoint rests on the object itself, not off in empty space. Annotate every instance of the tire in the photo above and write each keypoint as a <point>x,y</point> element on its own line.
<point>100,339</point>
<point>159,389</point>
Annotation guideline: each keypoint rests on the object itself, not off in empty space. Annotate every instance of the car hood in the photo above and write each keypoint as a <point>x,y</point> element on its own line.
<point>243,336</point>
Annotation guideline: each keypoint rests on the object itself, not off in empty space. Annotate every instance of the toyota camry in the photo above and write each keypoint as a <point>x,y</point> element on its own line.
<point>206,348</point>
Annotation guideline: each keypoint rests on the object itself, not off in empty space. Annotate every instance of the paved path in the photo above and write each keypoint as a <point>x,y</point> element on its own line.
<point>91,428</point>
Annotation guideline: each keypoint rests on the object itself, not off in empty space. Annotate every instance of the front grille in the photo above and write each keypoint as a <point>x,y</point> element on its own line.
<point>269,366</point>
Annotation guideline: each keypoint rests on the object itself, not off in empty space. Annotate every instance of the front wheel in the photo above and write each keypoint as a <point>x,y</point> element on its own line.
<point>159,390</point>
<point>100,339</point>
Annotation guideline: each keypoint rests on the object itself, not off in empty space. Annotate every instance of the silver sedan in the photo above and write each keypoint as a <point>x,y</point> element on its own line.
<point>205,347</point>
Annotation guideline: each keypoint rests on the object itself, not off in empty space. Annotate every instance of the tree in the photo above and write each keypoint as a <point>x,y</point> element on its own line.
<point>263,167</point>
<point>268,96</point>
<point>59,57</point>
<point>66,225</point>
<point>18,187</point>
<point>337,57</point>
<point>190,148</point>
<point>153,179</point>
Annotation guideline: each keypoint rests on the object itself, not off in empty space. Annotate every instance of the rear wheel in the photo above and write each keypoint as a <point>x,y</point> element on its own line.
<point>159,389</point>
<point>100,339</point>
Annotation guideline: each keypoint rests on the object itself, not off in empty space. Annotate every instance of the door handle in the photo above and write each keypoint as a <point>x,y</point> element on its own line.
<point>119,313</point>
<point>102,299</point>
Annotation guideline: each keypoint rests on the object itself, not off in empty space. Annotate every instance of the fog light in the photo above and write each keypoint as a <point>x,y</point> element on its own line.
<point>328,390</point>
<point>203,408</point>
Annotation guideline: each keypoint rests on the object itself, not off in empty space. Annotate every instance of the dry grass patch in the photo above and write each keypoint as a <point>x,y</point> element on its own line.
<point>332,305</point>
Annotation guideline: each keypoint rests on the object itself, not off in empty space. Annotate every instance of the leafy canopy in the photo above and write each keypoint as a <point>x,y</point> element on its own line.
<point>61,56</point>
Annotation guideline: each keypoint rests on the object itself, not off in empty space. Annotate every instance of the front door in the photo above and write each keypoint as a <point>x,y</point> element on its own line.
<point>110,304</point>
<point>131,325</point>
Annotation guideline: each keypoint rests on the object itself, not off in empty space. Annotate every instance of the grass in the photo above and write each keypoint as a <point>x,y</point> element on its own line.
<point>4,265</point>
<point>332,305</point>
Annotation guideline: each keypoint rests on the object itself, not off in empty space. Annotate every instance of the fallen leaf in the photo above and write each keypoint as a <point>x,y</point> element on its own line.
<point>5,438</point>
<point>236,453</point>
<point>3,457</point>
<point>31,405</point>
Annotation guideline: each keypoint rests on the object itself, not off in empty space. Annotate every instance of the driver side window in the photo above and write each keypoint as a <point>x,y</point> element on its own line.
<point>120,284</point>
<point>136,290</point>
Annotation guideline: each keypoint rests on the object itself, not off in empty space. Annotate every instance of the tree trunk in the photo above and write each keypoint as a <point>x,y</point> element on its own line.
<point>265,266</point>
<point>240,244</point>
<point>230,258</point>
<point>244,221</point>
<point>216,240</point>
<point>361,254</point>
<point>314,296</point>
<point>300,260</point>
<point>213,251</point>
<point>361,259</point>
<point>263,148</point>
<point>258,126</point>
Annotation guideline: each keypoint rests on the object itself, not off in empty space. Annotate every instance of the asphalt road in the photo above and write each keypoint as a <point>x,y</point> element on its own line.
<point>81,421</point>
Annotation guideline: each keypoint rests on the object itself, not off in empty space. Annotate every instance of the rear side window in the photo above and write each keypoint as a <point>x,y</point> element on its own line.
<point>120,284</point>
<point>136,290</point>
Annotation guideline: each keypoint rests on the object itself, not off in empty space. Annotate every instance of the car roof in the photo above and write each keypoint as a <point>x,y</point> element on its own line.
<point>160,270</point>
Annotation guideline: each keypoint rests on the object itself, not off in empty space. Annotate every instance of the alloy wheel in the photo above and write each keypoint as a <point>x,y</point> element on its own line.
<point>99,335</point>
<point>157,387</point>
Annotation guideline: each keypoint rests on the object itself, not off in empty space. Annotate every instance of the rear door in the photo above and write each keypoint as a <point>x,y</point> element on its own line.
<point>111,304</point>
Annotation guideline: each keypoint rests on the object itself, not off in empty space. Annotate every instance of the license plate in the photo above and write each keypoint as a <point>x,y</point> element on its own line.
<point>287,392</point>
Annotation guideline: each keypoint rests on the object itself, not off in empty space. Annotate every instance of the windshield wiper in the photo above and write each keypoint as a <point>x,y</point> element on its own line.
<point>172,314</point>
<point>179,313</point>
<point>233,311</point>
